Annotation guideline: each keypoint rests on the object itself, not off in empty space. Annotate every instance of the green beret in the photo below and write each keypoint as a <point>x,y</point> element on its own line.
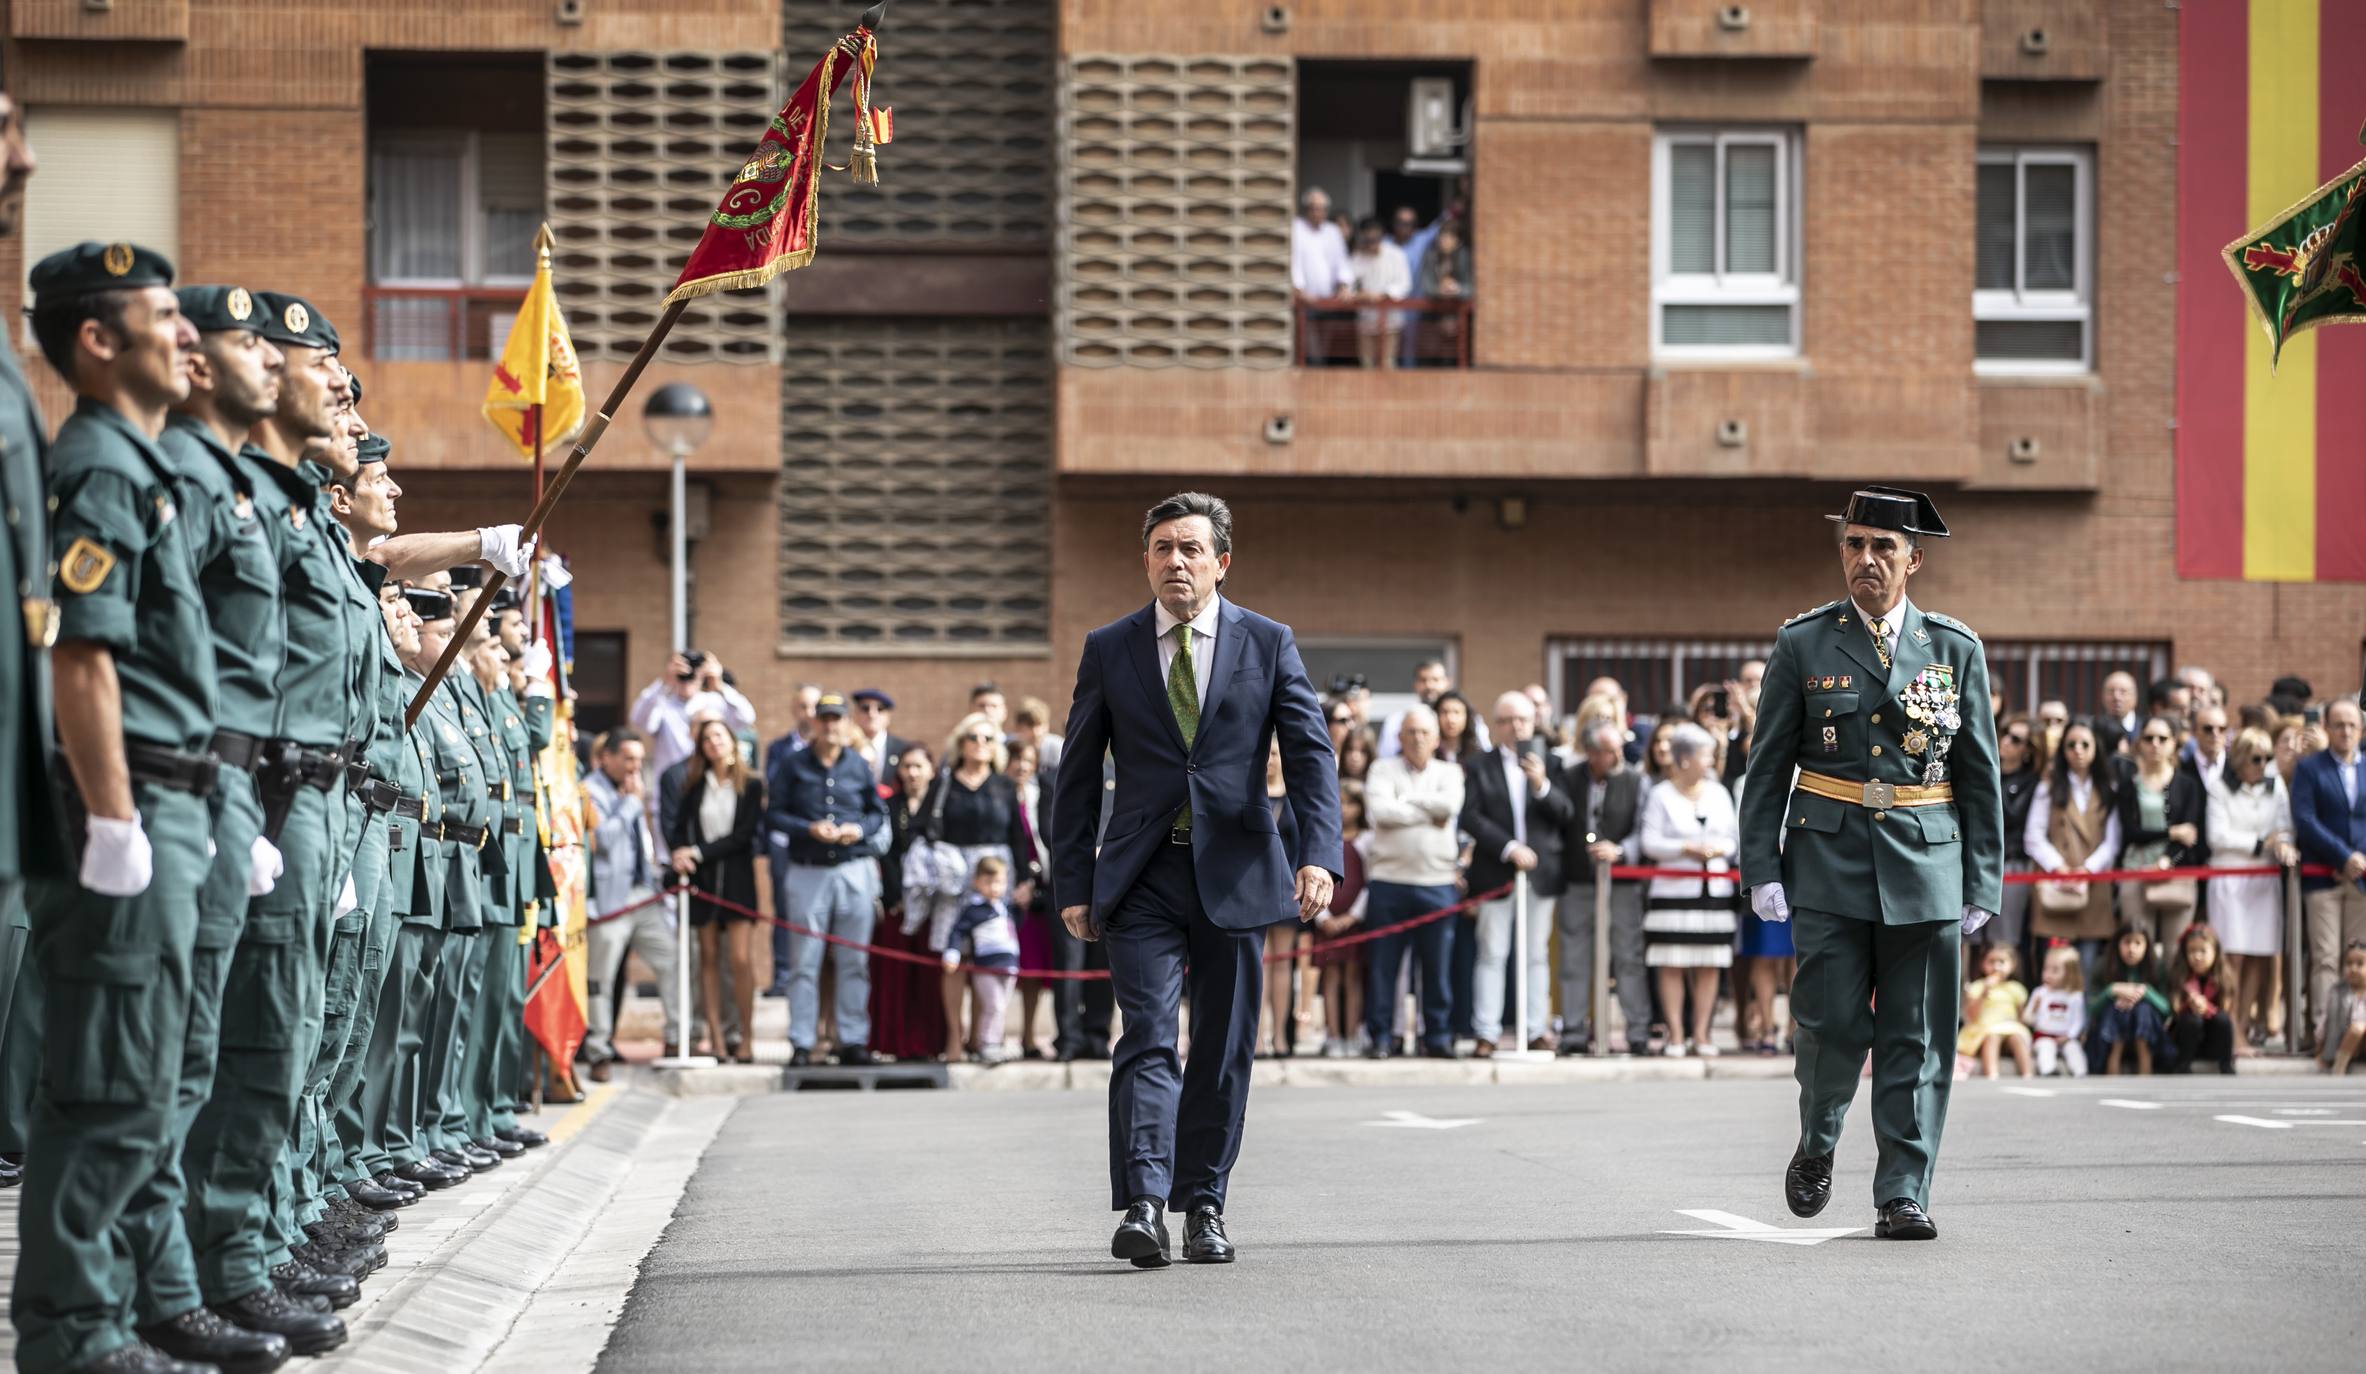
<point>90,267</point>
<point>373,449</point>
<point>219,309</point>
<point>292,320</point>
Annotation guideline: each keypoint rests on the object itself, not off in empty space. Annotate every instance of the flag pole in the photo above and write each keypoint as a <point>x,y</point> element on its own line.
<point>534,571</point>
<point>590,439</point>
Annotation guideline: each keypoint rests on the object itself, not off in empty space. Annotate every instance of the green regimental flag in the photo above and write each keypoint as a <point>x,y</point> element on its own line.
<point>2302,268</point>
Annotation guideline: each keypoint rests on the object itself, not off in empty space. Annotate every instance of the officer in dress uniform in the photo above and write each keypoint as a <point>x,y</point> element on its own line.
<point>498,1025</point>
<point>448,898</point>
<point>460,979</point>
<point>523,722</point>
<point>29,842</point>
<point>135,710</point>
<point>1889,844</point>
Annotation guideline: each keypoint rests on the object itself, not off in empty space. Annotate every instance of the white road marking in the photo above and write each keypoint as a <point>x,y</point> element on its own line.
<point>1731,1227</point>
<point>2304,1111</point>
<point>1417,1121</point>
<point>2262,1122</point>
<point>2029,1092</point>
<point>2129,1104</point>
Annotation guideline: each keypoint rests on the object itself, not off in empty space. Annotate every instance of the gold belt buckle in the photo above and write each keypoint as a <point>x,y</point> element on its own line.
<point>41,622</point>
<point>1881,796</point>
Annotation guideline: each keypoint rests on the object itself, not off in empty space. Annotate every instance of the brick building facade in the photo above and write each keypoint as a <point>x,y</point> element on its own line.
<point>931,449</point>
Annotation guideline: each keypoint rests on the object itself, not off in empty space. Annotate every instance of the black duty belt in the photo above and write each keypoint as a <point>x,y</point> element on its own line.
<point>470,835</point>
<point>313,767</point>
<point>153,763</point>
<point>377,795</point>
<point>513,825</point>
<point>498,791</point>
<point>357,772</point>
<point>242,752</point>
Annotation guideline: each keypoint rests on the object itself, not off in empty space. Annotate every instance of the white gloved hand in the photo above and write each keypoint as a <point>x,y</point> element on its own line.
<point>116,858</point>
<point>1973,919</point>
<point>347,900</point>
<point>1768,901</point>
<point>264,865</point>
<point>497,546</point>
<point>536,663</point>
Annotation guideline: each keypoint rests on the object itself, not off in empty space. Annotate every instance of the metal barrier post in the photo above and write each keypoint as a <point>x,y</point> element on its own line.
<point>1600,992</point>
<point>2295,963</point>
<point>1520,901</point>
<point>682,1058</point>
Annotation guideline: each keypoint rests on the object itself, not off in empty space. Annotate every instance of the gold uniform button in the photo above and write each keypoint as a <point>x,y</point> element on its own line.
<point>1827,713</point>
<point>1877,718</point>
<point>1881,815</point>
<point>1877,751</point>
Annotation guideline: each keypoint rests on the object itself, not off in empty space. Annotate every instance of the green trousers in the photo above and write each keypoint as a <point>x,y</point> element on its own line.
<point>1894,992</point>
<point>116,974</point>
<point>465,957</point>
<point>20,1020</point>
<point>339,1143</point>
<point>169,1282</point>
<point>293,923</point>
<point>388,1103</point>
<point>498,1045</point>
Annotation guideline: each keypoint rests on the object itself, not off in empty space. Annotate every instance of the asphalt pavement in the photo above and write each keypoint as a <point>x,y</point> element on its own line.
<point>2126,1224</point>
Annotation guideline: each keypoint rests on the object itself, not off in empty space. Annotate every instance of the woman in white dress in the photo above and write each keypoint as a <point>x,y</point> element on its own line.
<point>1688,923</point>
<point>2249,822</point>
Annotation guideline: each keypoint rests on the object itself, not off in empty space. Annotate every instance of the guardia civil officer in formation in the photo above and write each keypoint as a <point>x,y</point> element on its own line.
<point>1884,851</point>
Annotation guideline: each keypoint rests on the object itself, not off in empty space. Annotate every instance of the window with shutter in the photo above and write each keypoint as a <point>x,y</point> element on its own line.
<point>1725,281</point>
<point>106,174</point>
<point>2033,285</point>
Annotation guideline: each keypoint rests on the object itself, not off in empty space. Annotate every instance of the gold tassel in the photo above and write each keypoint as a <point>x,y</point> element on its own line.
<point>866,167</point>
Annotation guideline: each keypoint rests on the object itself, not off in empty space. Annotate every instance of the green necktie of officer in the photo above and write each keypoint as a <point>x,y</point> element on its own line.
<point>1183,699</point>
<point>1881,641</point>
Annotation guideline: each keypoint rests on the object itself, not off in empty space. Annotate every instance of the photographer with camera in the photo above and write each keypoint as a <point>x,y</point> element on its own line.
<point>692,686</point>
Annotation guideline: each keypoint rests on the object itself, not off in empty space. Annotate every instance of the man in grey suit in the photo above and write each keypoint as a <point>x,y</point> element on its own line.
<point>1606,802</point>
<point>627,866</point>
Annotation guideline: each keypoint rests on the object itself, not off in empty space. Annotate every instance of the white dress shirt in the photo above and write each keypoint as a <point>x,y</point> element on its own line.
<point>1515,786</point>
<point>2038,842</point>
<point>1203,646</point>
<point>2348,769</point>
<point>1318,259</point>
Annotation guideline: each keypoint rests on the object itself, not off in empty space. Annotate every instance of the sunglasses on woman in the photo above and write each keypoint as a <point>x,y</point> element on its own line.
<point>2263,758</point>
<point>2156,739</point>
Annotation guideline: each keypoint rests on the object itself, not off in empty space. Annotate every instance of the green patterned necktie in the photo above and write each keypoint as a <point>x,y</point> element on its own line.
<point>1881,642</point>
<point>1183,700</point>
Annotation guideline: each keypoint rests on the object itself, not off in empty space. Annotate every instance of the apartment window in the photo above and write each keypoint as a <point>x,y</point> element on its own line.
<point>106,174</point>
<point>1658,674</point>
<point>2028,672</point>
<point>1724,244</point>
<point>456,176</point>
<point>2033,294</point>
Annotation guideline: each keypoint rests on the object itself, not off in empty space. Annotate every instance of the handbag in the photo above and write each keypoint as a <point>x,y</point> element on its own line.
<point>2170,896</point>
<point>2059,897</point>
<point>933,868</point>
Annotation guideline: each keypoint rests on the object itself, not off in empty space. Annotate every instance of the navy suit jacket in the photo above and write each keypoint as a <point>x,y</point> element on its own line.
<point>2330,828</point>
<point>1257,691</point>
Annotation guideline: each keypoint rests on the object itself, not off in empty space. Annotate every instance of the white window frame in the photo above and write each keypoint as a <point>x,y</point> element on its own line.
<point>2018,305</point>
<point>472,209</point>
<point>1780,287</point>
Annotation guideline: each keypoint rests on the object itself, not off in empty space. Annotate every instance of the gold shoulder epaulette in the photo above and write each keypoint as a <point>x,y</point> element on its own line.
<point>1953,624</point>
<point>1810,615</point>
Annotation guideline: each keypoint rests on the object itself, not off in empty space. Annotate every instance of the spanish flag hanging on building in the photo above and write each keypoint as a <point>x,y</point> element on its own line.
<point>538,367</point>
<point>768,222</point>
<point>2271,450</point>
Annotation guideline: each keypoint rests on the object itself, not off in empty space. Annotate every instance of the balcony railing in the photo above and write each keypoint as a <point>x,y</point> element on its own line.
<point>1430,333</point>
<point>438,323</point>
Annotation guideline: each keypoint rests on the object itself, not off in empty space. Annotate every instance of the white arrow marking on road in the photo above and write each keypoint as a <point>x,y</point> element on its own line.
<point>2130,1104</point>
<point>2028,1092</point>
<point>2262,1122</point>
<point>1417,1121</point>
<point>1731,1227</point>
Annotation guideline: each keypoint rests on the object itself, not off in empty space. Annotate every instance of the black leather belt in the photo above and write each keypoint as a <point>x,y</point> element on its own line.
<point>470,835</point>
<point>235,750</point>
<point>194,773</point>
<point>498,791</point>
<point>377,795</point>
<point>1178,835</point>
<point>513,825</point>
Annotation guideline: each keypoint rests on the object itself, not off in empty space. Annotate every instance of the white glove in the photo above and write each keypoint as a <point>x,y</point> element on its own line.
<point>1973,919</point>
<point>347,900</point>
<point>497,545</point>
<point>264,866</point>
<point>1767,900</point>
<point>554,572</point>
<point>952,958</point>
<point>536,662</point>
<point>116,859</point>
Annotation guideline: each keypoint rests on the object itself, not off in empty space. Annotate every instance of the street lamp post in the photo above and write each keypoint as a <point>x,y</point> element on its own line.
<point>679,419</point>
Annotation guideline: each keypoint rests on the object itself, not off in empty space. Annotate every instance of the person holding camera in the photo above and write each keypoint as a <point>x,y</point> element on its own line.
<point>692,686</point>
<point>1515,804</point>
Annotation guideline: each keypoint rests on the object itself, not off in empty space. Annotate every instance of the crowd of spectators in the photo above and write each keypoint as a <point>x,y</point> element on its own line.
<point>1341,269</point>
<point>877,840</point>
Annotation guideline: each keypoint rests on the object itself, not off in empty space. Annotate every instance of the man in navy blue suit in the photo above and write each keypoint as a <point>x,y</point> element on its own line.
<point>2329,812</point>
<point>1187,695</point>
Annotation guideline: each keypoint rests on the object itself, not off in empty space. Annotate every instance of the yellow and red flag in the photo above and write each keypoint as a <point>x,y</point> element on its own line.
<point>538,367</point>
<point>2268,483</point>
<point>767,223</point>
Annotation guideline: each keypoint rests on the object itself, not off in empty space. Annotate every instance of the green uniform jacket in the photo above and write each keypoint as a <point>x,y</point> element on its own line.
<point>509,722</point>
<point>429,898</point>
<point>1828,707</point>
<point>317,678</point>
<point>393,757</point>
<point>477,716</point>
<point>460,774</point>
<point>238,567</point>
<point>31,842</point>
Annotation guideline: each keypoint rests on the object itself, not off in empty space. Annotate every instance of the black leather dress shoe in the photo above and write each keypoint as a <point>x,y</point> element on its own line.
<point>502,1149</point>
<point>377,1197</point>
<point>520,1135</point>
<point>800,1059</point>
<point>1142,1237</point>
<point>303,1285</point>
<point>200,1336</point>
<point>1807,1184</point>
<point>857,1057</point>
<point>1204,1241</point>
<point>452,1159</point>
<point>11,1174</point>
<point>356,1262</point>
<point>1904,1219</point>
<point>268,1309</point>
<point>480,1160</point>
<point>395,1183</point>
<point>138,1358</point>
<point>432,1174</point>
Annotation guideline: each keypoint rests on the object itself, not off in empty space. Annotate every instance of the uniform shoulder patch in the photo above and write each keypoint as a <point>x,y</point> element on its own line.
<point>85,566</point>
<point>1810,615</point>
<point>1953,624</point>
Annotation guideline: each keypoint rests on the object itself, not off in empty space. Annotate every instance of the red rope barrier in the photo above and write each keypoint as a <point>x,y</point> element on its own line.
<point>1625,873</point>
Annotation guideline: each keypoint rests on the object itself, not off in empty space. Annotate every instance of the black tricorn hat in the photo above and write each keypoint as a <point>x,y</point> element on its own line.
<point>1892,508</point>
